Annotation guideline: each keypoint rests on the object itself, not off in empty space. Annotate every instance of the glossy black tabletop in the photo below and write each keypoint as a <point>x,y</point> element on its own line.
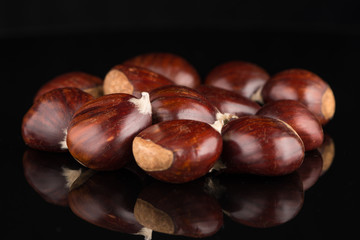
<point>317,202</point>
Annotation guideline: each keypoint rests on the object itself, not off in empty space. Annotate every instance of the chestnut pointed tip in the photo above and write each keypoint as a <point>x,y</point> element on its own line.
<point>143,104</point>
<point>63,143</point>
<point>151,156</point>
<point>146,232</point>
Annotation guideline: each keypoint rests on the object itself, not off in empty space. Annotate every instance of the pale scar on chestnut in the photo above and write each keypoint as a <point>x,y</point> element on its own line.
<point>151,156</point>
<point>117,82</point>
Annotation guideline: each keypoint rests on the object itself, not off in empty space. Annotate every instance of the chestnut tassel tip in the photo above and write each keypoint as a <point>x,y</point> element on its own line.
<point>63,144</point>
<point>146,232</point>
<point>143,104</point>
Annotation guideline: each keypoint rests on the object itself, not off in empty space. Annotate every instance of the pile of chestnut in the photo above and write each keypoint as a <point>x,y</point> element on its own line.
<point>154,109</point>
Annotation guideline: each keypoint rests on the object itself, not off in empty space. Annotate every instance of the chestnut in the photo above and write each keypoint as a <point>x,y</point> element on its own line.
<point>228,101</point>
<point>180,102</point>
<point>50,174</point>
<point>44,125</point>
<point>261,202</point>
<point>303,86</point>
<point>107,200</point>
<point>100,133</point>
<point>132,80</point>
<point>182,209</point>
<point>244,78</point>
<point>172,66</point>
<point>262,146</point>
<point>299,117</point>
<point>177,151</point>
<point>84,81</point>
<point>175,90</point>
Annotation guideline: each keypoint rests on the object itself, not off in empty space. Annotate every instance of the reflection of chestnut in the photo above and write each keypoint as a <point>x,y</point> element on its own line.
<point>304,86</point>
<point>261,145</point>
<point>44,125</point>
<point>132,80</point>
<point>228,101</point>
<point>83,81</point>
<point>172,66</point>
<point>177,151</point>
<point>327,150</point>
<point>101,132</point>
<point>299,118</point>
<point>261,202</point>
<point>311,168</point>
<point>50,174</point>
<point>241,77</point>
<point>107,199</point>
<point>183,209</point>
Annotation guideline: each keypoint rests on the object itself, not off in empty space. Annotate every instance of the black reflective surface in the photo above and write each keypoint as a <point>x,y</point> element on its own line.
<point>310,204</point>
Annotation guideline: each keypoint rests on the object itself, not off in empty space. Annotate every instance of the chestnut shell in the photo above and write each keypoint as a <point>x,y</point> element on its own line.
<point>100,133</point>
<point>172,66</point>
<point>45,124</point>
<point>262,146</point>
<point>303,86</point>
<point>299,117</point>
<point>242,77</point>
<point>189,147</point>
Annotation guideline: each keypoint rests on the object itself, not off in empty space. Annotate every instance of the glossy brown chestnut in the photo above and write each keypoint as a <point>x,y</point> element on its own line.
<point>303,86</point>
<point>183,209</point>
<point>261,202</point>
<point>172,66</point>
<point>107,199</point>
<point>244,78</point>
<point>132,80</point>
<point>180,102</point>
<point>84,81</point>
<point>100,133</point>
<point>44,125</point>
<point>261,145</point>
<point>310,170</point>
<point>228,101</point>
<point>175,90</point>
<point>177,151</point>
<point>51,174</point>
<point>299,117</point>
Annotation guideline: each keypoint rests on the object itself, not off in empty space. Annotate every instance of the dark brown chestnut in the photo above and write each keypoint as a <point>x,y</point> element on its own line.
<point>100,133</point>
<point>175,90</point>
<point>182,209</point>
<point>172,66</point>
<point>44,125</point>
<point>304,86</point>
<point>177,151</point>
<point>242,77</point>
<point>228,101</point>
<point>180,102</point>
<point>51,174</point>
<point>261,145</point>
<point>107,200</point>
<point>299,117</point>
<point>84,81</point>
<point>261,202</point>
<point>132,80</point>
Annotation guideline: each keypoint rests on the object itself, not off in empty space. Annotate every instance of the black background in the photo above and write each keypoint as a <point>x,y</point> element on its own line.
<point>41,39</point>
